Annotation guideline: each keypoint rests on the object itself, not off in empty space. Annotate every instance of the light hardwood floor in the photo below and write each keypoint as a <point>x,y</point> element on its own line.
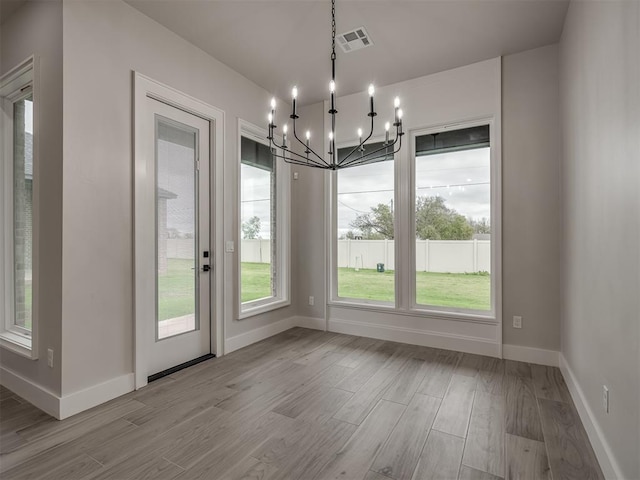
<point>313,405</point>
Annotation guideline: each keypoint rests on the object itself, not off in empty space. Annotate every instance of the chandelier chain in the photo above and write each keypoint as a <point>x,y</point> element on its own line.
<point>333,29</point>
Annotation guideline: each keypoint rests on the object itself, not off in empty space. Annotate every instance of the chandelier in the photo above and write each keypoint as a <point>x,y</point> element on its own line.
<point>361,154</point>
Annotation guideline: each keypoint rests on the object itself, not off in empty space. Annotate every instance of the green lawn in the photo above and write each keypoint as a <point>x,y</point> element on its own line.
<point>176,289</point>
<point>460,290</point>
<point>256,281</point>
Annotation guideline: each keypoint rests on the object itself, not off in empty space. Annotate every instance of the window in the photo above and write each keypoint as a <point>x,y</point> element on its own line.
<point>263,225</point>
<point>17,173</point>
<point>365,230</point>
<point>453,219</point>
<point>433,238</point>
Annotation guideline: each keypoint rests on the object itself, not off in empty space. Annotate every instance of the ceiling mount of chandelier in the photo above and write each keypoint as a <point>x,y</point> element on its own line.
<point>359,155</point>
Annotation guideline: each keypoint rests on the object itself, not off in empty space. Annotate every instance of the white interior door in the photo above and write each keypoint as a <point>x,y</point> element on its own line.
<point>178,325</point>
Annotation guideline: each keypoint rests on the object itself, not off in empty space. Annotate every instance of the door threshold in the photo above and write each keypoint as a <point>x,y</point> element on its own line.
<point>177,368</point>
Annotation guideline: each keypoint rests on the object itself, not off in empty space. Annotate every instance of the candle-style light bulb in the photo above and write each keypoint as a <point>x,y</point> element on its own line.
<point>294,95</point>
<point>400,114</point>
<point>332,90</point>
<point>308,135</point>
<point>270,117</point>
<point>387,126</point>
<point>371,92</point>
<point>331,136</point>
<point>285,129</point>
<point>273,103</point>
<point>396,104</point>
<point>360,133</point>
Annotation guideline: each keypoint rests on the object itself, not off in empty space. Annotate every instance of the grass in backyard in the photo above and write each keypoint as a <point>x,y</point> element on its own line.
<point>459,290</point>
<point>176,289</point>
<point>256,281</point>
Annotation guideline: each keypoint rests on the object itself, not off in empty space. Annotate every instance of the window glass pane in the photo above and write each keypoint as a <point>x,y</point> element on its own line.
<point>453,220</point>
<point>23,211</point>
<point>176,222</point>
<point>257,221</point>
<point>366,232</point>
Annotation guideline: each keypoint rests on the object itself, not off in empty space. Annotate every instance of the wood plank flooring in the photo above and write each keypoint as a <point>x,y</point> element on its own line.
<point>310,405</point>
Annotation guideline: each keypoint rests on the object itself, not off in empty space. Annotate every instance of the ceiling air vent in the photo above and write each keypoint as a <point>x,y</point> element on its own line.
<point>354,40</point>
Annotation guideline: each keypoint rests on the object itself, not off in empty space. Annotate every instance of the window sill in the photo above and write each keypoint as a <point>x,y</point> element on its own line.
<point>250,311</point>
<point>489,319</point>
<point>18,344</point>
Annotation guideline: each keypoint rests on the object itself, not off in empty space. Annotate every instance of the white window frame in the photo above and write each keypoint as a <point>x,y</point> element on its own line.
<point>349,301</point>
<point>404,173</point>
<point>15,85</point>
<point>495,196</point>
<point>283,222</point>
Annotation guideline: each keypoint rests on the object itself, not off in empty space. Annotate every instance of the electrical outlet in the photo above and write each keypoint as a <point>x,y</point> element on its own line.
<point>311,300</point>
<point>517,322</point>
<point>295,175</point>
<point>229,247</point>
<point>605,398</point>
<point>50,357</point>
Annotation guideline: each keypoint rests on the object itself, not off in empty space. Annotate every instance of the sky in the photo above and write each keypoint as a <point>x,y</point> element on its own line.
<point>462,178</point>
<point>28,116</point>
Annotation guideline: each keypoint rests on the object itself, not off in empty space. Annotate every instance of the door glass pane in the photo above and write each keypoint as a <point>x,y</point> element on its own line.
<point>23,210</point>
<point>453,219</point>
<point>257,221</point>
<point>176,220</point>
<point>365,227</point>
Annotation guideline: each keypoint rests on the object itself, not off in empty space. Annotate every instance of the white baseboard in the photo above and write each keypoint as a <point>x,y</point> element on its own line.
<point>412,336</point>
<point>608,463</point>
<point>311,322</point>
<point>44,399</point>
<point>82,400</point>
<point>67,405</point>
<point>237,342</point>
<point>538,356</point>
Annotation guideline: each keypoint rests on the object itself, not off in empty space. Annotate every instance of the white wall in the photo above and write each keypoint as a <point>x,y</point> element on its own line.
<point>308,227</point>
<point>531,197</point>
<point>36,28</point>
<point>600,88</point>
<point>103,42</point>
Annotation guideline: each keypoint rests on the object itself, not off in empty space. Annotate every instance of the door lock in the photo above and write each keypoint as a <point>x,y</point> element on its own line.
<point>206,268</point>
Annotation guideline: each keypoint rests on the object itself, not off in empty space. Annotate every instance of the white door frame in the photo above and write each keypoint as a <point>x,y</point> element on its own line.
<point>144,224</point>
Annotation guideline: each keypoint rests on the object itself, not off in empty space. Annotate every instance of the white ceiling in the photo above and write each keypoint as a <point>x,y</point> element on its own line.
<point>278,44</point>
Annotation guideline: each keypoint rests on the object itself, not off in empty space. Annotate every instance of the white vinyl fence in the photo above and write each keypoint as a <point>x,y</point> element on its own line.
<point>452,256</point>
<point>449,256</point>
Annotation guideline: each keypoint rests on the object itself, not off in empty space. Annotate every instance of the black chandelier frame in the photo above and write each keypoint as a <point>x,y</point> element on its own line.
<point>358,155</point>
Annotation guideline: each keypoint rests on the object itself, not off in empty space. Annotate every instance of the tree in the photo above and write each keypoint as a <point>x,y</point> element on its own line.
<point>251,228</point>
<point>376,225</point>
<point>434,221</point>
<point>480,226</point>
